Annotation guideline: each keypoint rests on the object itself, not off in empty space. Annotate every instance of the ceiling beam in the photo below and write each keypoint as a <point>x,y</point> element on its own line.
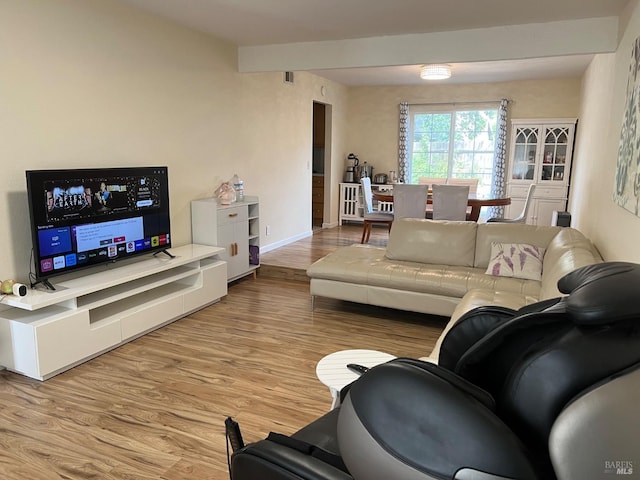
<point>570,37</point>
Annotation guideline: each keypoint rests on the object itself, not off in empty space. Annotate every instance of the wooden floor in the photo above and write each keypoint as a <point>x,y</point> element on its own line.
<point>291,261</point>
<point>154,408</point>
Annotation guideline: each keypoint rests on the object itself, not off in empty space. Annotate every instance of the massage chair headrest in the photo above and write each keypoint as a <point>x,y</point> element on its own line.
<point>603,293</point>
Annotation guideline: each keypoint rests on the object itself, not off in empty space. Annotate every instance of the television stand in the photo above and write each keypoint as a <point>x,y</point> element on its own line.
<point>166,252</point>
<point>44,282</point>
<point>49,331</point>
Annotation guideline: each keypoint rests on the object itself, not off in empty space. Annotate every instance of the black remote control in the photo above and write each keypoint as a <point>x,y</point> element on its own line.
<point>232,429</point>
<point>359,369</point>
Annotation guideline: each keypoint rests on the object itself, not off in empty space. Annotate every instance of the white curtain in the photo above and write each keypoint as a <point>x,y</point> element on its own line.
<point>402,142</point>
<point>500,159</point>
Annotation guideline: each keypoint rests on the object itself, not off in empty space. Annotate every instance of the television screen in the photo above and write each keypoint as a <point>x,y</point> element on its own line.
<point>85,217</point>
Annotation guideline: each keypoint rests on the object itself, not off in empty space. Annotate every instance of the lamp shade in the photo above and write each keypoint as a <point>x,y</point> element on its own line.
<point>437,71</point>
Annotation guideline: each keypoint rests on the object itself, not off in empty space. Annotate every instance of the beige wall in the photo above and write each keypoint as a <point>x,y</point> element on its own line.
<point>614,230</point>
<point>373,111</point>
<point>95,83</point>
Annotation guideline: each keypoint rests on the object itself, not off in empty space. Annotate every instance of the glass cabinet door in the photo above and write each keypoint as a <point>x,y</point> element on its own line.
<point>556,146</point>
<point>525,153</point>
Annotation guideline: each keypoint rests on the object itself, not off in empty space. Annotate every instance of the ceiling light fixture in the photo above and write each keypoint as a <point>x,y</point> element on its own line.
<point>436,71</point>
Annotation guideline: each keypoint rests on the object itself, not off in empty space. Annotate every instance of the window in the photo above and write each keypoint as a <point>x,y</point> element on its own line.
<point>452,143</point>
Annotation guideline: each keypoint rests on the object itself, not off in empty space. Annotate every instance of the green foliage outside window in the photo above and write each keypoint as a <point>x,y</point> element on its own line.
<point>456,144</point>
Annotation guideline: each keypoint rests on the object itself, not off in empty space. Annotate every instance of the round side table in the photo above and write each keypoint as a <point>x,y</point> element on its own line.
<point>333,372</point>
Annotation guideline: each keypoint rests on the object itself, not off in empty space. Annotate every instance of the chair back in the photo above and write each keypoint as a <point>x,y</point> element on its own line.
<point>471,182</point>
<point>432,181</point>
<point>367,194</point>
<point>450,202</point>
<point>585,338</point>
<point>527,203</point>
<point>409,201</point>
<point>522,218</point>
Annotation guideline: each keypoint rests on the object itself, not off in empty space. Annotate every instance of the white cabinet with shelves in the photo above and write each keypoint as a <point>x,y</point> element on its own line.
<point>351,204</point>
<point>234,227</point>
<point>541,153</point>
<point>47,332</point>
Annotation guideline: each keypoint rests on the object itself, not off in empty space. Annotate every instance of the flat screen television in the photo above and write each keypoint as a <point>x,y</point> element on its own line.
<point>85,217</point>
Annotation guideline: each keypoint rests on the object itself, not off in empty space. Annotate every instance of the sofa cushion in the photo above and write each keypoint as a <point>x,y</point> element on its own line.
<point>438,242</point>
<point>519,260</point>
<point>364,265</point>
<point>536,235</point>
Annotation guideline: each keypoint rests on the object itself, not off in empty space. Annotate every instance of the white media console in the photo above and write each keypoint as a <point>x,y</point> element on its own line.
<point>49,331</point>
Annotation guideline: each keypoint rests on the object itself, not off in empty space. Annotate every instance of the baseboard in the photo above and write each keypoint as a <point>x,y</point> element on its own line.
<point>329,225</point>
<point>286,241</point>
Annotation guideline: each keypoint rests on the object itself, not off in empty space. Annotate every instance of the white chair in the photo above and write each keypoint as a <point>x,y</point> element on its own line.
<point>450,202</point>
<point>370,215</point>
<point>472,182</point>
<point>522,218</point>
<point>473,187</point>
<point>432,181</point>
<point>409,201</point>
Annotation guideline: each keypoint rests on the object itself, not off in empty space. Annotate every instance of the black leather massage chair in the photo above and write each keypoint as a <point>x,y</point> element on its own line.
<point>551,391</point>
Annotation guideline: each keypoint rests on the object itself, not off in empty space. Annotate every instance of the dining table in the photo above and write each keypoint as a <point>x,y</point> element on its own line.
<point>475,201</point>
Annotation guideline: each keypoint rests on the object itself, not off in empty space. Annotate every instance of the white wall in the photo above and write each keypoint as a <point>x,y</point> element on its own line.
<point>614,230</point>
<point>96,83</point>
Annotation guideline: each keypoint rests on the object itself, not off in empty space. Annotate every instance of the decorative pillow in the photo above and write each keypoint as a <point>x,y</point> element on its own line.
<point>518,260</point>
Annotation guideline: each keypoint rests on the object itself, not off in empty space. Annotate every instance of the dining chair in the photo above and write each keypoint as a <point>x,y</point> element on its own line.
<point>431,181</point>
<point>473,187</point>
<point>522,218</point>
<point>472,182</point>
<point>370,216</point>
<point>450,202</point>
<point>409,201</point>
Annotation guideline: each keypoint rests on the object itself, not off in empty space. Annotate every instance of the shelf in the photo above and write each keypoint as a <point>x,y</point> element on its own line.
<point>47,332</point>
<point>134,287</point>
<point>107,276</point>
<point>551,142</point>
<point>236,227</point>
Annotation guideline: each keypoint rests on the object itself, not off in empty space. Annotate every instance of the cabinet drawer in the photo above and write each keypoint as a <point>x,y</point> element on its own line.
<point>151,316</point>
<point>317,195</point>
<point>212,287</point>
<point>317,181</point>
<point>550,191</point>
<point>71,340</point>
<point>518,190</point>
<point>233,215</point>
<point>541,191</point>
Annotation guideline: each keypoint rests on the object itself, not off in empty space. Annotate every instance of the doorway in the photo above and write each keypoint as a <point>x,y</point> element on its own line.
<point>319,163</point>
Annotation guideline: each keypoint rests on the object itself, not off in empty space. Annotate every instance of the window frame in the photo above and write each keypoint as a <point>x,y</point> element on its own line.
<point>450,108</point>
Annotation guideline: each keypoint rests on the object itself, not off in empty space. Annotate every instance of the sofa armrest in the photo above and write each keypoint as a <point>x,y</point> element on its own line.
<point>568,250</point>
<point>267,460</point>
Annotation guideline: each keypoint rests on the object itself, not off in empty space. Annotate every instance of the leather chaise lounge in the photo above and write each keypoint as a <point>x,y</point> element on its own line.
<point>549,391</point>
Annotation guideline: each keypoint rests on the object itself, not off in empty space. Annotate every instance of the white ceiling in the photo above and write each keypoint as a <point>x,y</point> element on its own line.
<point>269,22</point>
<point>471,72</point>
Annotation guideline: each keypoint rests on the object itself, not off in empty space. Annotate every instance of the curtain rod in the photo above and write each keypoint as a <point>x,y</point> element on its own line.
<point>457,103</point>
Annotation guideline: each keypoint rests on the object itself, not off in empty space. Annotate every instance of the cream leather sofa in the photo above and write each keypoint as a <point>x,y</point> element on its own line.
<point>438,267</point>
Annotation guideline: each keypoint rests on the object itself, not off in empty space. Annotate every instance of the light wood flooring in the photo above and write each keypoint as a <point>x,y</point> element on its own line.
<point>291,261</point>
<point>154,408</point>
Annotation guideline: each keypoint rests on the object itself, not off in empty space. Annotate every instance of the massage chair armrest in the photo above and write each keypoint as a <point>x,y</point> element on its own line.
<point>403,419</point>
<point>268,460</point>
